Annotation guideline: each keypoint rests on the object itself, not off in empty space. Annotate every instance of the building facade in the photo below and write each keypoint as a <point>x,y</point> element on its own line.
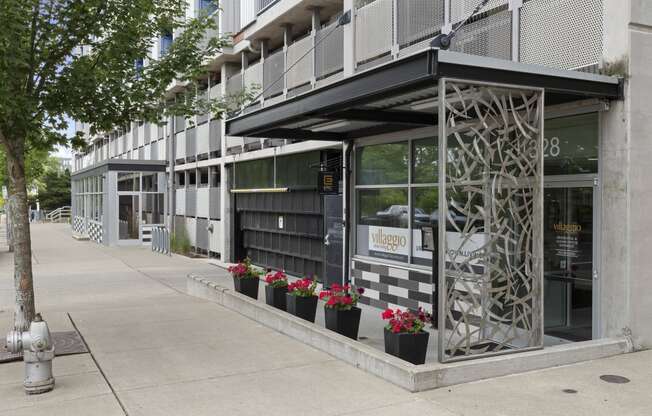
<point>342,99</point>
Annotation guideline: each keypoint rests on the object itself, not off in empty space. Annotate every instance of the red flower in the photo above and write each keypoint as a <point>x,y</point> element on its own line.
<point>387,314</point>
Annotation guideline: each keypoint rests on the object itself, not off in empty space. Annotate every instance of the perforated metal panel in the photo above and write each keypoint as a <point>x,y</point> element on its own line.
<point>487,36</point>
<point>579,23</point>
<point>253,76</point>
<point>373,30</point>
<point>419,20</point>
<point>461,9</point>
<point>234,84</point>
<point>273,69</point>
<point>302,70</point>
<point>328,53</point>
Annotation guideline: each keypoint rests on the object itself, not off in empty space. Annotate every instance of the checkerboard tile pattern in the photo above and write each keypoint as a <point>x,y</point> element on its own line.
<point>392,287</point>
<point>95,231</point>
<point>78,225</point>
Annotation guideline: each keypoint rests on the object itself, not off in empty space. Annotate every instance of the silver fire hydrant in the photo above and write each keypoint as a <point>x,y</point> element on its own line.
<point>38,352</point>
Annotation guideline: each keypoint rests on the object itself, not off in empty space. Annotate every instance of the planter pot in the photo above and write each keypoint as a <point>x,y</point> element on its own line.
<point>408,347</point>
<point>247,286</point>
<point>303,307</point>
<point>275,296</point>
<point>343,322</point>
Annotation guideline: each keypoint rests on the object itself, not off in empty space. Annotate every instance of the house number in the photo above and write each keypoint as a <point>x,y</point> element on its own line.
<point>551,147</point>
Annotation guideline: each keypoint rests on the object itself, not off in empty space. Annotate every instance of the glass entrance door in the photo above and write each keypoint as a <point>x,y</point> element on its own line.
<point>568,261</point>
<point>129,217</point>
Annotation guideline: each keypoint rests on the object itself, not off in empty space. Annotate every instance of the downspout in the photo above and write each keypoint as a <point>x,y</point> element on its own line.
<point>346,226</point>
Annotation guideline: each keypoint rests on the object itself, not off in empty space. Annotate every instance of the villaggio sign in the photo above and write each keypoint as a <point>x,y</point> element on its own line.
<point>389,243</point>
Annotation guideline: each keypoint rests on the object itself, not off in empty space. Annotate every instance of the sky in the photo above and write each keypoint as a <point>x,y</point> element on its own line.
<point>61,151</point>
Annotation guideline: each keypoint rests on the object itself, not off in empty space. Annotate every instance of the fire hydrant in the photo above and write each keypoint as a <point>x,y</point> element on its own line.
<point>38,352</point>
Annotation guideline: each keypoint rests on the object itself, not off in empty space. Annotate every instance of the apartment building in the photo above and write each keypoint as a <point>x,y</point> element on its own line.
<point>526,138</point>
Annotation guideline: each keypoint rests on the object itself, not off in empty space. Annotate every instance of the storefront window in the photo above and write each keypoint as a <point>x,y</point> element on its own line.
<point>571,145</point>
<point>425,158</point>
<point>396,195</point>
<point>382,164</point>
<point>128,182</point>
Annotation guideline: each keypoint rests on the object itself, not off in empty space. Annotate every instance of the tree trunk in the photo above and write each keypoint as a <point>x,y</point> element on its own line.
<point>22,244</point>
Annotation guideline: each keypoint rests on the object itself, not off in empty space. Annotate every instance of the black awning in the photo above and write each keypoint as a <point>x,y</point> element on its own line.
<point>399,96</point>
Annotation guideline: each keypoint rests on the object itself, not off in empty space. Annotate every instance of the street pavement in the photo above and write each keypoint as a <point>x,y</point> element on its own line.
<point>157,351</point>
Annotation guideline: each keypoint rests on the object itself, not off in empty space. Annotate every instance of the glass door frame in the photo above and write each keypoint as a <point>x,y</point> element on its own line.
<point>140,236</point>
<point>587,181</point>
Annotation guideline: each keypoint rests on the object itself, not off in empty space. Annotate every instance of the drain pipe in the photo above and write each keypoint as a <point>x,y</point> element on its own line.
<point>346,214</point>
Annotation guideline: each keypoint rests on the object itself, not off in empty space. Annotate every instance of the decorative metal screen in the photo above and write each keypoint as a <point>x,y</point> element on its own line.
<point>578,22</point>
<point>490,267</point>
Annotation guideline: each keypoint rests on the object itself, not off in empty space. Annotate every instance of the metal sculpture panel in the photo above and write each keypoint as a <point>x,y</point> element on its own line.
<point>490,270</point>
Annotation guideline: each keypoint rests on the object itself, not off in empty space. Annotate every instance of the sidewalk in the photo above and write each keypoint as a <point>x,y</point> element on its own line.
<point>161,352</point>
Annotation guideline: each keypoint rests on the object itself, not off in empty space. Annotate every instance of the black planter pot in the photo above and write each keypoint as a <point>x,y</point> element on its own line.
<point>275,296</point>
<point>408,347</point>
<point>346,323</point>
<point>303,307</point>
<point>247,286</point>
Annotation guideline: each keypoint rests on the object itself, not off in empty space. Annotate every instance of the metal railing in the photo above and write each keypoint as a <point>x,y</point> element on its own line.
<point>301,73</point>
<point>262,5</point>
<point>59,214</point>
<point>160,239</point>
<point>273,69</point>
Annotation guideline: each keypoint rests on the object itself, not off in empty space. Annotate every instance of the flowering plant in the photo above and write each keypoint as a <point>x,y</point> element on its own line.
<point>341,297</point>
<point>244,270</point>
<point>304,288</point>
<point>278,279</point>
<point>407,321</point>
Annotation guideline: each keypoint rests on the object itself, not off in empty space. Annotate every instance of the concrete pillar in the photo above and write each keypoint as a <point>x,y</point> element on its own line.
<point>349,40</point>
<point>626,151</point>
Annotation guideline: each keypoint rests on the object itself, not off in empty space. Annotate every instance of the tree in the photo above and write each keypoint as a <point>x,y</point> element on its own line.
<point>81,59</point>
<point>54,189</point>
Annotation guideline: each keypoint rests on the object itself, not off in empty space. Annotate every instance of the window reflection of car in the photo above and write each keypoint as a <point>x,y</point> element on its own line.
<point>394,216</point>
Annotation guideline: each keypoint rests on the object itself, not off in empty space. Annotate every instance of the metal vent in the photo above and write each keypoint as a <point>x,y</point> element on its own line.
<point>564,34</point>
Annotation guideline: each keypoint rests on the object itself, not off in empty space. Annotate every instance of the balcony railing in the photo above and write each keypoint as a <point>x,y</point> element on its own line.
<point>299,54</point>
<point>273,69</point>
<point>329,58</point>
<point>262,5</point>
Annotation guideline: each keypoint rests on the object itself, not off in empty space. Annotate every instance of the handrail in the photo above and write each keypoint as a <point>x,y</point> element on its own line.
<point>58,214</point>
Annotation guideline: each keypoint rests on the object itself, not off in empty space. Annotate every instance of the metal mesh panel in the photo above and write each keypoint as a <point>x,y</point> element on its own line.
<point>234,84</point>
<point>301,73</point>
<point>461,9</point>
<point>419,20</point>
<point>488,36</point>
<point>329,57</point>
<point>253,76</point>
<point>580,22</point>
<point>273,68</point>
<point>373,30</point>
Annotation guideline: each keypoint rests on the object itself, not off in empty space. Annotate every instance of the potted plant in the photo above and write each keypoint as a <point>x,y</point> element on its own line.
<point>340,311</point>
<point>301,299</point>
<point>404,334</point>
<point>245,278</point>
<point>276,289</point>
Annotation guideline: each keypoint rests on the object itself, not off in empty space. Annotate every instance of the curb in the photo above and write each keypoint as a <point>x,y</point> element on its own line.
<point>413,378</point>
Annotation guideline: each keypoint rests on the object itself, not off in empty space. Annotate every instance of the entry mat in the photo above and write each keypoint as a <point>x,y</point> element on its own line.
<point>65,343</point>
